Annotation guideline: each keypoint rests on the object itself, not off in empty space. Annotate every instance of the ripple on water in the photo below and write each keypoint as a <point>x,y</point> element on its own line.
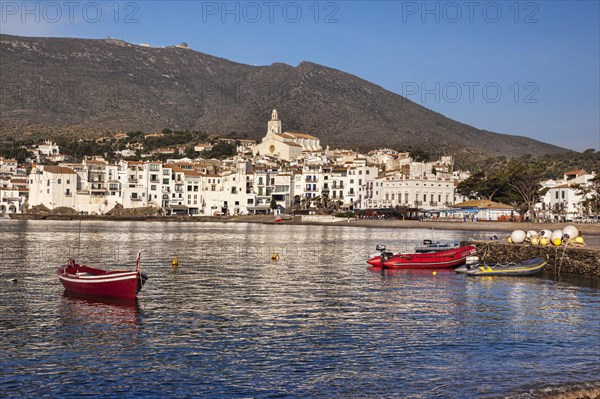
<point>317,323</point>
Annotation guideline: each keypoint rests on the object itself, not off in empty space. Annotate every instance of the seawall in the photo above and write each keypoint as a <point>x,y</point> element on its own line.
<point>583,261</point>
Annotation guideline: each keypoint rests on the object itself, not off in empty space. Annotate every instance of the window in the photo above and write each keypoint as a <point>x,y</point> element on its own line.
<point>154,167</point>
<point>556,192</point>
<point>562,194</point>
<point>166,180</point>
<point>68,181</point>
<point>153,187</point>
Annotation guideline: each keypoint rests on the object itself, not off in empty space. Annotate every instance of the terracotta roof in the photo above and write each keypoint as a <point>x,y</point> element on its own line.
<point>482,204</point>
<point>301,135</point>
<point>59,170</point>
<point>192,173</point>
<point>576,172</point>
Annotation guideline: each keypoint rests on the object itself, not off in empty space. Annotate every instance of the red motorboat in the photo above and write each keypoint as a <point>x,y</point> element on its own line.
<point>88,281</point>
<point>434,260</point>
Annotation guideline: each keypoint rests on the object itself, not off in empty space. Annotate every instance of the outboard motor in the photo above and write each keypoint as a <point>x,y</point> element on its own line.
<point>384,255</point>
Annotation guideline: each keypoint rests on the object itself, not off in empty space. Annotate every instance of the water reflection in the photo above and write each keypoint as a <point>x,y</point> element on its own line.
<point>316,323</point>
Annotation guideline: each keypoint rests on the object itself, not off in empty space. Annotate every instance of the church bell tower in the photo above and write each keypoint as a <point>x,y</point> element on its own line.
<point>274,125</point>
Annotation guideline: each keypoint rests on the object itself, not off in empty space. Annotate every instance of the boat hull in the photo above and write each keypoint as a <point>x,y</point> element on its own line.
<point>527,268</point>
<point>437,260</point>
<point>84,280</point>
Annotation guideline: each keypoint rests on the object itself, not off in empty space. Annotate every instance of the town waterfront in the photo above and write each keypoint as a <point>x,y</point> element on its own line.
<point>315,323</point>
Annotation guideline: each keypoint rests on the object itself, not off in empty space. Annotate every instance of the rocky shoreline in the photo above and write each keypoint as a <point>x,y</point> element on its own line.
<point>569,391</point>
<point>581,261</point>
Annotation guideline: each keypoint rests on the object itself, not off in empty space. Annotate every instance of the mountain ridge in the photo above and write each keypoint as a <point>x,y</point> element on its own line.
<point>95,85</point>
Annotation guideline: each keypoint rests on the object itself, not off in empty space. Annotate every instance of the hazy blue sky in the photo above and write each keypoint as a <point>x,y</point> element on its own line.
<point>526,68</point>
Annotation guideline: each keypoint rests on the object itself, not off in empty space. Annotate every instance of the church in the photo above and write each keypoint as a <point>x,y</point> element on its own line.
<point>286,146</point>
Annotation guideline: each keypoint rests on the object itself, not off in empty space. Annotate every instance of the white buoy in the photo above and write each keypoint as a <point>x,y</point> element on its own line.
<point>570,232</point>
<point>545,233</point>
<point>532,234</point>
<point>518,236</point>
<point>556,234</point>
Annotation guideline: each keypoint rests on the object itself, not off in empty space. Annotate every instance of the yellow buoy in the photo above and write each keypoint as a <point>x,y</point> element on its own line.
<point>544,241</point>
<point>275,257</point>
<point>510,240</point>
<point>174,264</point>
<point>534,241</point>
<point>434,273</point>
<point>557,241</point>
<point>579,240</point>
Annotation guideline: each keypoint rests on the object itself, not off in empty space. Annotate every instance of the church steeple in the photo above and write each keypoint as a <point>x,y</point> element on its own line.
<point>274,125</point>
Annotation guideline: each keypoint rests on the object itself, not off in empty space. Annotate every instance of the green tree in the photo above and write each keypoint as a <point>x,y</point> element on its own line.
<point>221,150</point>
<point>524,181</point>
<point>590,194</point>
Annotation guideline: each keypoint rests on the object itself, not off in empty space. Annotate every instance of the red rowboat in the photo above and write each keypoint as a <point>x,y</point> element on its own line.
<point>88,281</point>
<point>434,260</point>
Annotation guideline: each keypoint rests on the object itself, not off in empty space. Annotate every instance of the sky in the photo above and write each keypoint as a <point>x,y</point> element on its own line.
<point>529,68</point>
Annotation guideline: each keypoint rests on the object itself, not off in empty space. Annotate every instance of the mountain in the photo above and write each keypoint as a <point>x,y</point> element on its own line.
<point>88,87</point>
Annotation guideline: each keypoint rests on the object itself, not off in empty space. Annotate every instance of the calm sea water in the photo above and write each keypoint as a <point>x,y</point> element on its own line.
<point>317,323</point>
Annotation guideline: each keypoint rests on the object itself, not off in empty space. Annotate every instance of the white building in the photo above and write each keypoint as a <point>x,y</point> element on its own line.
<point>396,189</point>
<point>563,199</point>
<point>8,166</point>
<point>286,146</point>
<point>52,186</point>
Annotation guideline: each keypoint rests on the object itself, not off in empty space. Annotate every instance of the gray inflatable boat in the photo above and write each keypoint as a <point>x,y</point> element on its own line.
<point>525,268</point>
